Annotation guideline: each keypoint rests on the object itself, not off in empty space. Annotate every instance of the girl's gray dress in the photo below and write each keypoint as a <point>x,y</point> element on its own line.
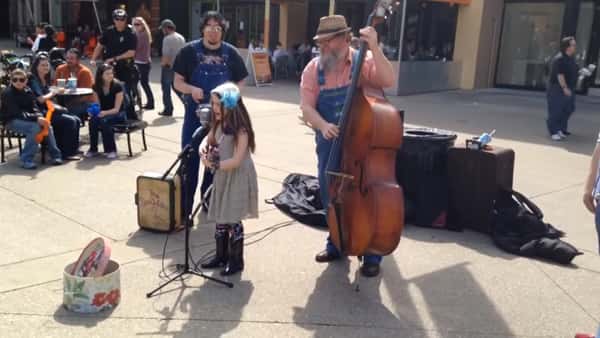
<point>235,192</point>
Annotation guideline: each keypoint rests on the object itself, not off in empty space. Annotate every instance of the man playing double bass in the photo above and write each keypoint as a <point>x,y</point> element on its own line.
<point>323,89</point>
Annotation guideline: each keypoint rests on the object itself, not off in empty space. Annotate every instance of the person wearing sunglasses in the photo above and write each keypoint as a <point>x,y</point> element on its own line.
<point>200,67</point>
<point>117,46</point>
<point>20,113</point>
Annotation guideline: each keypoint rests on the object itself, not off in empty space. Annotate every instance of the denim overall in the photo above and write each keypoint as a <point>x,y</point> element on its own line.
<point>329,105</point>
<point>207,77</point>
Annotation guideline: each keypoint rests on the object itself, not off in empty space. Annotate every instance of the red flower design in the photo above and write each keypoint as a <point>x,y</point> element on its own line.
<point>113,297</point>
<point>99,299</point>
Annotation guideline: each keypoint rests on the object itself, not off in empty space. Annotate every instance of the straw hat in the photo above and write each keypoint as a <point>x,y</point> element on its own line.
<point>330,26</point>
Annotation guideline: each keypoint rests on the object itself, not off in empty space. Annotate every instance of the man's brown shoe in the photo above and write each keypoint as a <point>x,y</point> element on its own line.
<point>325,256</point>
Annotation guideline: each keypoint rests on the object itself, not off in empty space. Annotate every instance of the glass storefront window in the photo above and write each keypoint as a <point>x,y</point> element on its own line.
<point>584,31</point>
<point>429,31</point>
<point>389,33</point>
<point>530,38</point>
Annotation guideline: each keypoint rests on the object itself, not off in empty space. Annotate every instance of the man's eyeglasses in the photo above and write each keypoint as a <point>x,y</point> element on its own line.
<point>19,79</point>
<point>119,19</point>
<point>215,29</point>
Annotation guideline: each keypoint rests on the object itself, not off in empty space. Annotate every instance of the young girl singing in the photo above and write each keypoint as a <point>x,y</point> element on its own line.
<point>235,188</point>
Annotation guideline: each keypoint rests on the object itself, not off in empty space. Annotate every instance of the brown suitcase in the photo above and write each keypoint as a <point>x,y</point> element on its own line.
<point>474,179</point>
<point>159,202</point>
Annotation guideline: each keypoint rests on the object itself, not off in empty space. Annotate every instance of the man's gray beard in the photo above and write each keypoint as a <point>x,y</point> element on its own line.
<point>328,62</point>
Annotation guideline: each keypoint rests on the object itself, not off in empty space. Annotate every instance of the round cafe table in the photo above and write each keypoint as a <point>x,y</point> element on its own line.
<point>73,92</point>
<point>63,96</point>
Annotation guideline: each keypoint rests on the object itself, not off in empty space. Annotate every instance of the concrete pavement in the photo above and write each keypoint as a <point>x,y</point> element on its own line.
<point>436,284</point>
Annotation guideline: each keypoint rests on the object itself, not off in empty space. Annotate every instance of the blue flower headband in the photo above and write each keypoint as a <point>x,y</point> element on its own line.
<point>229,94</point>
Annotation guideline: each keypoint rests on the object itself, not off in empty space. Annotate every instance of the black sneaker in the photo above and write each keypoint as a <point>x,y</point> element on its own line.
<point>148,106</point>
<point>369,269</point>
<point>164,113</point>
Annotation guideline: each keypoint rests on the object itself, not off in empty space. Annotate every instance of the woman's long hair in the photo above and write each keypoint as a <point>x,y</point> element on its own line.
<point>145,25</point>
<point>35,65</point>
<point>99,80</point>
<point>234,121</point>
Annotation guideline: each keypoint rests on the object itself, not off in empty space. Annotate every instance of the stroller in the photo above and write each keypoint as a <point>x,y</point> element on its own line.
<point>57,57</point>
<point>10,62</point>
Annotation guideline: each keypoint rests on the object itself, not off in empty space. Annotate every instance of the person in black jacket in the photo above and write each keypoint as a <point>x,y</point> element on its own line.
<point>20,114</point>
<point>117,47</point>
<point>49,41</point>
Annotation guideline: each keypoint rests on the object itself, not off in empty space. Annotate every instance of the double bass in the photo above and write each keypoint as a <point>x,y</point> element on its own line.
<point>365,214</point>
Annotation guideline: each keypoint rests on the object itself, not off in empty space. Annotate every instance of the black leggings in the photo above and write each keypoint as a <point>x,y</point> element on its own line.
<point>144,69</point>
<point>66,131</point>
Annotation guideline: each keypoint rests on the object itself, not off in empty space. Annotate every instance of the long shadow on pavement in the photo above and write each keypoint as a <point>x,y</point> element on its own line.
<point>335,302</point>
<point>469,239</point>
<point>208,302</point>
<point>453,299</point>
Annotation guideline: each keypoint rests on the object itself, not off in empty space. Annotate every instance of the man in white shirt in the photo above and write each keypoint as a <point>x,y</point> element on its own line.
<point>172,43</point>
<point>39,34</point>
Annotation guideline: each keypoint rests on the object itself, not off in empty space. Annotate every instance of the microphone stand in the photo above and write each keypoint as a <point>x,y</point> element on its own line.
<point>186,269</point>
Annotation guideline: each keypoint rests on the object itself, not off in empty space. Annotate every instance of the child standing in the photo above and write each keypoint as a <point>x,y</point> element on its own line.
<point>591,192</point>
<point>235,188</point>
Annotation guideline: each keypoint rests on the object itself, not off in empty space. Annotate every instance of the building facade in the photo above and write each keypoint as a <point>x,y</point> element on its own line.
<point>433,44</point>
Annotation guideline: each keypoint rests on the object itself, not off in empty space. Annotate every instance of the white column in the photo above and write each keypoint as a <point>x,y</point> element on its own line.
<point>37,10</point>
<point>267,28</point>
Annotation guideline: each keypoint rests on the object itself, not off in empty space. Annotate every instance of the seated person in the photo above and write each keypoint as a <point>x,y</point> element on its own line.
<point>48,42</point>
<point>111,96</point>
<point>76,105</point>
<point>279,52</point>
<point>66,127</point>
<point>20,113</point>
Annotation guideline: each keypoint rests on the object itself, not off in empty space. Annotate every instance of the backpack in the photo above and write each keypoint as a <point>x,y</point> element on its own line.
<point>300,200</point>
<point>518,228</point>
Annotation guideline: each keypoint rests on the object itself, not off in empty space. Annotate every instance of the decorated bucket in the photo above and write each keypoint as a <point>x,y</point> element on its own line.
<point>92,294</point>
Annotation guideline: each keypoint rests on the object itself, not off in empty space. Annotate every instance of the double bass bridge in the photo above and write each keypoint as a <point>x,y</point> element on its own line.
<point>343,180</point>
<point>341,175</point>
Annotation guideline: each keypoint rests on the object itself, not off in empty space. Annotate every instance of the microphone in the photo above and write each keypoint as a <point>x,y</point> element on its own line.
<point>203,112</point>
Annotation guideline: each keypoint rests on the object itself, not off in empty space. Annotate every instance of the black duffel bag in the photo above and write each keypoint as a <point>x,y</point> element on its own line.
<point>300,200</point>
<point>519,229</point>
